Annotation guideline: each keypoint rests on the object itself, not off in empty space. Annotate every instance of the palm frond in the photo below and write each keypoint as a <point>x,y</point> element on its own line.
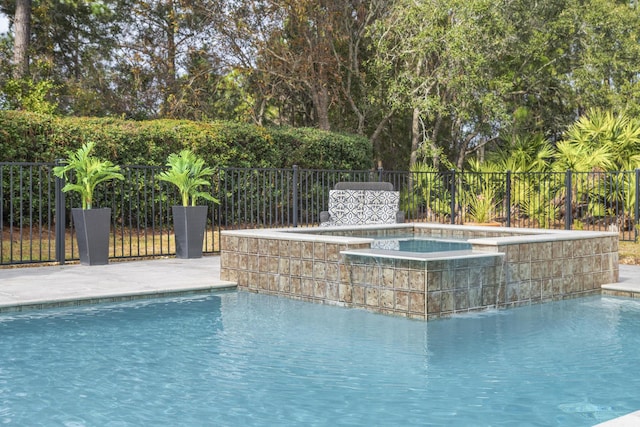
<point>188,172</point>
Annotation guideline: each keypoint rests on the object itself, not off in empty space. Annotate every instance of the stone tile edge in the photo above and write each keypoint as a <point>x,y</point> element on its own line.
<point>429,256</point>
<point>112,298</point>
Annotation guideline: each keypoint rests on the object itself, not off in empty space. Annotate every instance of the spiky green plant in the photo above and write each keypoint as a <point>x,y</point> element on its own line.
<point>618,134</point>
<point>482,206</point>
<point>535,201</point>
<point>479,195</point>
<point>88,171</point>
<point>531,153</point>
<point>188,172</point>
<point>429,189</point>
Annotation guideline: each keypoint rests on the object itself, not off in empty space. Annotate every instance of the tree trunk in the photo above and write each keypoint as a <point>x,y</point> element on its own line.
<point>22,26</point>
<point>415,126</point>
<point>376,134</point>
<point>415,137</point>
<point>415,141</point>
<point>259,109</point>
<point>170,78</point>
<point>435,153</point>
<point>321,106</point>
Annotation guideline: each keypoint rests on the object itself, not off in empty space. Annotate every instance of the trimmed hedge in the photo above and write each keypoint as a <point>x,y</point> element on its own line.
<point>30,137</point>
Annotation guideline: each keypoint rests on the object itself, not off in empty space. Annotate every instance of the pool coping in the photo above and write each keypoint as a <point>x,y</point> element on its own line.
<point>44,303</point>
<point>630,420</point>
<point>524,235</point>
<point>418,256</point>
<point>33,288</point>
<point>628,285</point>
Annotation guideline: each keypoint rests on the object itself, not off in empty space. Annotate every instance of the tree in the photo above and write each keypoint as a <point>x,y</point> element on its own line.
<point>438,59</point>
<point>305,58</point>
<point>531,153</point>
<point>22,31</point>
<point>70,44</point>
<point>300,53</point>
<point>449,79</point>
<point>161,35</point>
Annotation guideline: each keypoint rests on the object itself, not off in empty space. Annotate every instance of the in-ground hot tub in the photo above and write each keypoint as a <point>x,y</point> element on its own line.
<point>419,244</point>
<point>337,265</point>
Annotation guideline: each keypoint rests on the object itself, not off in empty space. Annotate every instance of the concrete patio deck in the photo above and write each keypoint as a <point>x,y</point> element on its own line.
<point>73,284</point>
<point>628,283</point>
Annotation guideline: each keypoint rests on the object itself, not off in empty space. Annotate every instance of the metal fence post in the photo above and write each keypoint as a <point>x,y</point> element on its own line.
<point>217,223</point>
<point>568,216</point>
<point>295,195</point>
<point>453,196</point>
<point>508,198</point>
<point>60,217</point>
<point>380,169</point>
<point>636,207</point>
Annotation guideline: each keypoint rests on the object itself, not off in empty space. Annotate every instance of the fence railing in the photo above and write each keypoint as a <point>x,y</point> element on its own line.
<point>37,226</point>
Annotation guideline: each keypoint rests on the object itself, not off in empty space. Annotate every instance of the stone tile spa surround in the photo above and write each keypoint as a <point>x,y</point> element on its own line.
<point>506,267</point>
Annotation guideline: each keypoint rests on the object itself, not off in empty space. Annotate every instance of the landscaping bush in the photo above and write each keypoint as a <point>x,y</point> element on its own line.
<point>25,137</point>
<point>30,137</point>
<point>316,149</point>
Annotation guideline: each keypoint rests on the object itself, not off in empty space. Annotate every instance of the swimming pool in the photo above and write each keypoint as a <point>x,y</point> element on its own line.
<point>239,358</point>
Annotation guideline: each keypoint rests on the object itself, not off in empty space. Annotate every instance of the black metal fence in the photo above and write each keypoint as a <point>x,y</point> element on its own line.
<point>37,226</point>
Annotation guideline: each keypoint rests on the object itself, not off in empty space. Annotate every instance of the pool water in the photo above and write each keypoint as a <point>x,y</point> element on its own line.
<point>421,245</point>
<point>242,359</point>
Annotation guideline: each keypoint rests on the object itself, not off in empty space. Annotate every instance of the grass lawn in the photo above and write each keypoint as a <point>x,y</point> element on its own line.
<point>37,246</point>
<point>629,253</point>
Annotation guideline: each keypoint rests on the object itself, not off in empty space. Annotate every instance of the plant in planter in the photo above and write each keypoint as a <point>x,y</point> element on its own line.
<point>188,172</point>
<point>92,225</point>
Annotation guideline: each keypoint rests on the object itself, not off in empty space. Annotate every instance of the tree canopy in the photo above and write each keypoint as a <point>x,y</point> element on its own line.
<point>442,81</point>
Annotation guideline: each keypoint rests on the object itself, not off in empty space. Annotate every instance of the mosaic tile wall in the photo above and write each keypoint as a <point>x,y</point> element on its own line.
<point>351,207</point>
<point>299,269</point>
<point>505,275</point>
<point>555,270</point>
<point>423,289</point>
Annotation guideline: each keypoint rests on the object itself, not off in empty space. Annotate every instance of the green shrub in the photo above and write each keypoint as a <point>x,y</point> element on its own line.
<point>316,149</point>
<point>26,137</point>
<point>31,137</point>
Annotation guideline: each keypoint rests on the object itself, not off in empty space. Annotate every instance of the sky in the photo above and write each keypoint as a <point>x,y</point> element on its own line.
<point>4,23</point>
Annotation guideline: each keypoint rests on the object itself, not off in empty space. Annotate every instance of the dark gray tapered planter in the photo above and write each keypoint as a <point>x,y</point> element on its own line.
<point>92,233</point>
<point>189,223</point>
